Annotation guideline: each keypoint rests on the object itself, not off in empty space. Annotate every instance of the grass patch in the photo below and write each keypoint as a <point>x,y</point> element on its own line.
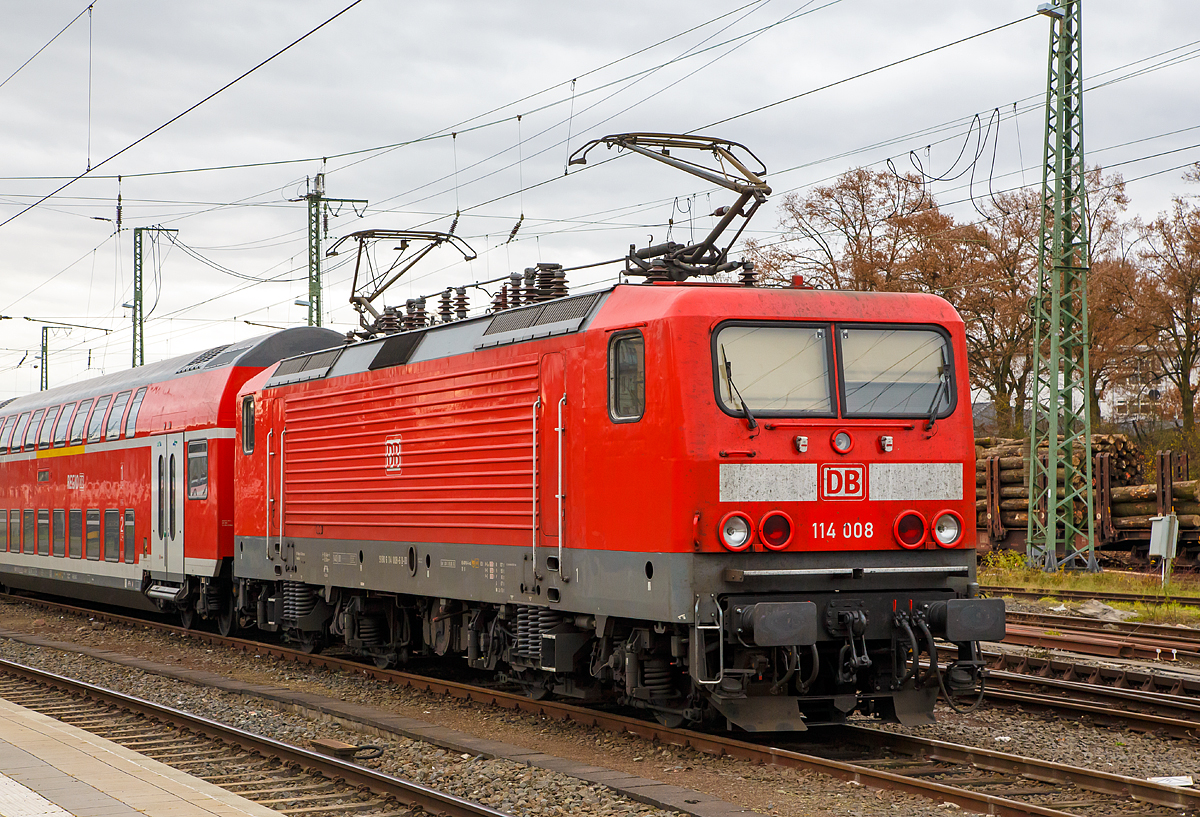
<point>1166,613</point>
<point>1007,568</point>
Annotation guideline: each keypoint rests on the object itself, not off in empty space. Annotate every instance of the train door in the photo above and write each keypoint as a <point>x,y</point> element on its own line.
<point>273,479</point>
<point>551,443</point>
<point>166,498</point>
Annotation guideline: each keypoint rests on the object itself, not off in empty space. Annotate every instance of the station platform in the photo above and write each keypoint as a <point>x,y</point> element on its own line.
<point>51,769</point>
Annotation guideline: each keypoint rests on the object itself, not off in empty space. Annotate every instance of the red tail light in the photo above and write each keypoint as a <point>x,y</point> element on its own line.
<point>910,529</point>
<point>775,530</point>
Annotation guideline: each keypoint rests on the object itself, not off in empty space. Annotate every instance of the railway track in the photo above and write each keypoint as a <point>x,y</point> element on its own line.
<point>1147,642</point>
<point>287,779</point>
<point>1081,595</point>
<point>974,779</point>
<point>1175,715</point>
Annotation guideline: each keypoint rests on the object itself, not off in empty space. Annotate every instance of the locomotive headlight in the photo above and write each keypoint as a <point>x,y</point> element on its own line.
<point>842,442</point>
<point>735,531</point>
<point>947,529</point>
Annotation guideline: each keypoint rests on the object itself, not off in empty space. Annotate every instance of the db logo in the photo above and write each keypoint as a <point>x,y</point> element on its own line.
<point>391,455</point>
<point>843,482</point>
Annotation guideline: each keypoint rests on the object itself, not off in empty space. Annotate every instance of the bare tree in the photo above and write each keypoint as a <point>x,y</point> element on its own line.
<point>1168,299</point>
<point>863,232</point>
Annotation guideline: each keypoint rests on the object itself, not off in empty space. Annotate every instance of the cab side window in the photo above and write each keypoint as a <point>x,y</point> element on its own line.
<point>248,425</point>
<point>627,377</point>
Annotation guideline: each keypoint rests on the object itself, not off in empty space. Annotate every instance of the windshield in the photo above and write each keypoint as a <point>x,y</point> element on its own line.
<point>895,372</point>
<point>775,369</point>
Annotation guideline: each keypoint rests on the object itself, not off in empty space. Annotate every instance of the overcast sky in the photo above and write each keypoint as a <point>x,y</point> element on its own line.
<point>361,89</point>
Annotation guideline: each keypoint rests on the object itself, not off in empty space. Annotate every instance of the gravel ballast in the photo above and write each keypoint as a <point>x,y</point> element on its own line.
<point>523,790</point>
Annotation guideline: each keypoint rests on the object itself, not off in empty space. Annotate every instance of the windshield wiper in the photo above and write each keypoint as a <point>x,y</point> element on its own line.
<point>937,393</point>
<point>751,423</point>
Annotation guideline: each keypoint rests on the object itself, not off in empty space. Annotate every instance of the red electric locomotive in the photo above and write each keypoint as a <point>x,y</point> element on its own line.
<point>722,499</point>
<point>715,502</point>
<point>120,489</point>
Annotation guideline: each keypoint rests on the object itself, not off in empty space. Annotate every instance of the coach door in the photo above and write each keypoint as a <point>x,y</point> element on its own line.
<point>166,499</point>
<point>552,441</point>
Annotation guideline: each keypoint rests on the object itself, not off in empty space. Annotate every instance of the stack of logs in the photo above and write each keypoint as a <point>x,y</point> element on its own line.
<point>1133,505</point>
<point>1014,475</point>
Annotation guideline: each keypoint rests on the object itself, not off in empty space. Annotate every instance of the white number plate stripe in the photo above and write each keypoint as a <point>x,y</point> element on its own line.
<point>769,482</point>
<point>916,480</point>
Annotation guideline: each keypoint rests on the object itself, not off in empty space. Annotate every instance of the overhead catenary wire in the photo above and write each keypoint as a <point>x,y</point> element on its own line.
<point>182,114</point>
<point>87,10</point>
<point>522,185</point>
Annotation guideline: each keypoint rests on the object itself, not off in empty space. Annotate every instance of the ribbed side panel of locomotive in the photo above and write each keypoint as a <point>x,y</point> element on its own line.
<point>397,505</point>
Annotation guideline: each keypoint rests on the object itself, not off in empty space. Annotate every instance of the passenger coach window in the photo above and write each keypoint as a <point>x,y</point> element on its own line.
<point>895,372</point>
<point>14,531</point>
<point>27,533</point>
<point>96,424</point>
<point>248,425</point>
<point>43,533</point>
<point>77,425</point>
<point>112,536</point>
<point>131,423</point>
<point>48,427</point>
<point>6,433</point>
<point>197,469</point>
<point>31,432</point>
<point>60,534</point>
<point>64,425</point>
<point>18,437</point>
<point>76,535</point>
<point>92,549</point>
<point>112,430</point>
<point>776,369</point>
<point>627,377</point>
<point>130,536</point>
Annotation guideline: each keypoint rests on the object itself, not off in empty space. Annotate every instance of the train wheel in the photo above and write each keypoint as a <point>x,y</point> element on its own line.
<point>226,620</point>
<point>671,720</point>
<point>310,642</point>
<point>187,616</point>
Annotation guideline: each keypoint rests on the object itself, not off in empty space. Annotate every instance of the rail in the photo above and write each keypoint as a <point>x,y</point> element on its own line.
<point>911,776</point>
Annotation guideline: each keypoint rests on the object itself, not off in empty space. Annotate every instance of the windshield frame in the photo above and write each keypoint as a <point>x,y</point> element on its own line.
<point>736,410</point>
<point>949,374</point>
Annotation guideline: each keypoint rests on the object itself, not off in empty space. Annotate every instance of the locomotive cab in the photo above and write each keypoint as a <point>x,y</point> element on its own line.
<point>817,502</point>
